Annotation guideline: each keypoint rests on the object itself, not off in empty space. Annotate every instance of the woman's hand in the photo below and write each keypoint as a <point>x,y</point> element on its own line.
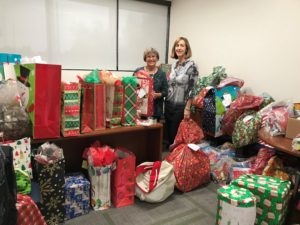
<point>187,114</point>
<point>156,95</point>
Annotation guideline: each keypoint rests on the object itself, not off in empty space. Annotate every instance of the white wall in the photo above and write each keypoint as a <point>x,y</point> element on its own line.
<point>257,40</point>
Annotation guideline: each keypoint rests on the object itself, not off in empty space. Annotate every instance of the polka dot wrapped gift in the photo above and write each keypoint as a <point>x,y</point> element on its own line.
<point>272,197</point>
<point>235,206</point>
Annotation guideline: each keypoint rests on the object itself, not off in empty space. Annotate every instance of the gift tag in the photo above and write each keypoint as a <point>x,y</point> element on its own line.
<point>9,71</point>
<point>142,93</point>
<point>194,147</point>
<point>226,100</point>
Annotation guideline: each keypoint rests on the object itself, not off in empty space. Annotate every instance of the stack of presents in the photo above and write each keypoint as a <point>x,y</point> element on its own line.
<point>257,184</point>
<point>36,104</point>
<point>255,188</point>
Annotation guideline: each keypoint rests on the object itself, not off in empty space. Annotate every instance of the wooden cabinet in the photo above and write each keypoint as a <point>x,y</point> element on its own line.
<point>144,142</point>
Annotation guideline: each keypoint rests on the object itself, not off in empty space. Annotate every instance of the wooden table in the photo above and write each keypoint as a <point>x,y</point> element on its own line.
<point>281,143</point>
<point>144,141</point>
<point>284,145</point>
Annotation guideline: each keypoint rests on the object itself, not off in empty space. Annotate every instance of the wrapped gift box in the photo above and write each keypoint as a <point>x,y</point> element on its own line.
<point>235,206</point>
<point>272,197</point>
<point>77,192</point>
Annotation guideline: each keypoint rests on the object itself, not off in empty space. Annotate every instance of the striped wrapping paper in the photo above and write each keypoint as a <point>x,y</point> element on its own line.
<point>70,113</point>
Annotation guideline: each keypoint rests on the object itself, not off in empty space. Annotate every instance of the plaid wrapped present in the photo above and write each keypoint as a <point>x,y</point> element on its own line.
<point>130,101</point>
<point>28,211</point>
<point>77,193</point>
<point>272,197</point>
<point>235,206</point>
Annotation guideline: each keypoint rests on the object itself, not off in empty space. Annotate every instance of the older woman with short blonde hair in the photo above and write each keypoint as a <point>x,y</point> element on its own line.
<point>160,84</point>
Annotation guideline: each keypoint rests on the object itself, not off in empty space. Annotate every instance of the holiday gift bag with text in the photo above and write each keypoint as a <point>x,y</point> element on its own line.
<point>39,88</point>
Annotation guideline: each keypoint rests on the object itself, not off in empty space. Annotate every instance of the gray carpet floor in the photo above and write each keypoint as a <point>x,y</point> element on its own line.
<point>197,207</point>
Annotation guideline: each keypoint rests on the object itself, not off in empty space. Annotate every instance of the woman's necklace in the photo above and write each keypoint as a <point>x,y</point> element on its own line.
<point>151,71</point>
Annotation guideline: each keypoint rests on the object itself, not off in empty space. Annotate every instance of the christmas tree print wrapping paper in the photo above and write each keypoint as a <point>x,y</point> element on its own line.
<point>21,155</point>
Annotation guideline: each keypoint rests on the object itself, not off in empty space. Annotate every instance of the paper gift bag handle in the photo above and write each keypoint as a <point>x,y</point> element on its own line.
<point>155,168</point>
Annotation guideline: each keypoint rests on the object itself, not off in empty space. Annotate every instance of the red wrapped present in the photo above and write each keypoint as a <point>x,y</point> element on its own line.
<point>191,168</point>
<point>28,212</point>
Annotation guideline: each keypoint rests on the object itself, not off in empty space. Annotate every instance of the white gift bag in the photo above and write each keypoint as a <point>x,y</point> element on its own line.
<point>155,181</point>
<point>100,186</point>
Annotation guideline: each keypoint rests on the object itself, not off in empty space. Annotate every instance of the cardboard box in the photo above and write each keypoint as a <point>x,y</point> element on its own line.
<point>293,127</point>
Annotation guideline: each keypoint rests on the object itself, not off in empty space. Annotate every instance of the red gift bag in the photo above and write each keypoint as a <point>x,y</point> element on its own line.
<point>123,179</point>
<point>144,94</point>
<point>39,88</point>
<point>93,107</point>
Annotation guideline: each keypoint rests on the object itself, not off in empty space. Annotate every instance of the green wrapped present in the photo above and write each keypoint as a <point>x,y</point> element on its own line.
<point>272,197</point>
<point>235,206</point>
